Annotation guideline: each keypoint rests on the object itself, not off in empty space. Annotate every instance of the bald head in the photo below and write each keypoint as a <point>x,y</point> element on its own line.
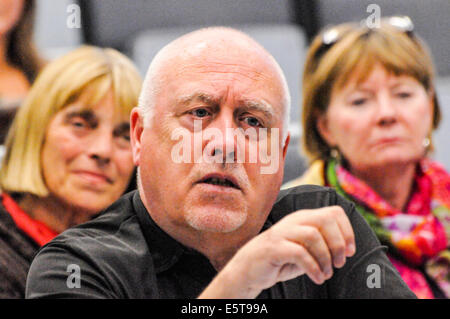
<point>210,45</point>
<point>215,102</point>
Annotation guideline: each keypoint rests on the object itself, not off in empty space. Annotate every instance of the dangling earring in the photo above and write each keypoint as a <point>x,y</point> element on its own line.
<point>426,143</point>
<point>335,154</point>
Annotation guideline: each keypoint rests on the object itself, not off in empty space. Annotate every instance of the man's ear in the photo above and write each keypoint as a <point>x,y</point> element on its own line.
<point>324,130</point>
<point>286,144</point>
<point>136,129</point>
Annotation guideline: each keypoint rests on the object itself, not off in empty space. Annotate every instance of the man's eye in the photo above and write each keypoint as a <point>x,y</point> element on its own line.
<point>200,112</point>
<point>252,121</point>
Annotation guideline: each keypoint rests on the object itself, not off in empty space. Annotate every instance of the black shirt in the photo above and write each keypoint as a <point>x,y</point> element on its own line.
<point>124,254</point>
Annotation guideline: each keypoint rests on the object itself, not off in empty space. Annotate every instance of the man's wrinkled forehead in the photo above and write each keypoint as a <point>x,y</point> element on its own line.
<point>238,56</point>
<point>217,50</point>
<point>221,78</point>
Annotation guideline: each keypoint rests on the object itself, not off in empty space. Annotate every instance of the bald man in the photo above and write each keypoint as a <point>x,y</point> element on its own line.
<point>208,220</point>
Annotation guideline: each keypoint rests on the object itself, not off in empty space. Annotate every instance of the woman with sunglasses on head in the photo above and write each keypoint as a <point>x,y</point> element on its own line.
<point>68,154</point>
<point>369,109</point>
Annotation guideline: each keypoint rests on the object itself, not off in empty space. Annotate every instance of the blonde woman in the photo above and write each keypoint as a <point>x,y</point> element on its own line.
<point>369,109</point>
<point>67,156</point>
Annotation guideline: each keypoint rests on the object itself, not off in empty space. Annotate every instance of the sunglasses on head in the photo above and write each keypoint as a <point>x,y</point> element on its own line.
<point>333,34</point>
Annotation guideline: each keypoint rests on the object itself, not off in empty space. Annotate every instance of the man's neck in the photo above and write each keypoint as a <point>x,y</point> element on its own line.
<point>53,212</point>
<point>393,183</point>
<point>218,247</point>
<point>218,254</point>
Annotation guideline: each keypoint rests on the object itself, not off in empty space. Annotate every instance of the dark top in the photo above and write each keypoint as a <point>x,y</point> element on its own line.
<point>16,253</point>
<point>124,254</point>
<point>7,113</point>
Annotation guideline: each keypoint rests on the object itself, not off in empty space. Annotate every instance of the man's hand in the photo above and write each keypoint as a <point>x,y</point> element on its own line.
<point>307,242</point>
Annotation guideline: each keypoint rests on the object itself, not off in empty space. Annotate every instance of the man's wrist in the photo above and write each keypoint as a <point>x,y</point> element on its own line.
<point>228,285</point>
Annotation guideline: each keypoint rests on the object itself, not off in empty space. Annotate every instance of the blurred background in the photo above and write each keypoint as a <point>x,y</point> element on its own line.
<point>139,28</point>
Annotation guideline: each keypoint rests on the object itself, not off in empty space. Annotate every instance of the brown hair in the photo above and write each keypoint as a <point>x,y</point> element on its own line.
<point>21,51</point>
<point>355,52</point>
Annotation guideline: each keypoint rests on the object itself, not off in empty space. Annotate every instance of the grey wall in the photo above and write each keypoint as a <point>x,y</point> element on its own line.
<point>116,20</point>
<point>431,19</point>
<point>52,35</point>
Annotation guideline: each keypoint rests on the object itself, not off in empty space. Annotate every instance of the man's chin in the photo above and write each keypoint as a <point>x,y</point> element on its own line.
<point>216,219</point>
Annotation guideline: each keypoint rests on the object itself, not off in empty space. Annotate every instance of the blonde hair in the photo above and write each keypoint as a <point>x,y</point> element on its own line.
<point>60,84</point>
<point>356,52</point>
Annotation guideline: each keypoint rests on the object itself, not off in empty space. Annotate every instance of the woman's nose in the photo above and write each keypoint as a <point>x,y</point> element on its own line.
<point>387,112</point>
<point>101,147</point>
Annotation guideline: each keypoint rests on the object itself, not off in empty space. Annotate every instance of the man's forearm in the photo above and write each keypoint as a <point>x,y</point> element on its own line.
<point>228,285</point>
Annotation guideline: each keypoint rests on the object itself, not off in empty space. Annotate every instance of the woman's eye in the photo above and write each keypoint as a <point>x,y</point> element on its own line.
<point>123,140</point>
<point>404,95</point>
<point>358,102</point>
<point>79,123</point>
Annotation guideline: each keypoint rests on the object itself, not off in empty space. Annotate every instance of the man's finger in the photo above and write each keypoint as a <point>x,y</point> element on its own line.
<point>312,239</point>
<point>335,241</point>
<point>335,228</point>
<point>347,231</point>
<point>302,258</point>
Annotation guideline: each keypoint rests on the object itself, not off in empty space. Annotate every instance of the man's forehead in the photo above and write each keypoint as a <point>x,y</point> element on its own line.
<point>222,69</point>
<point>218,71</point>
<point>221,58</point>
<point>216,86</point>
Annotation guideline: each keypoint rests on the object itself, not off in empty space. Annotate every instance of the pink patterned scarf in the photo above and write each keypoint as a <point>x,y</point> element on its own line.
<point>419,237</point>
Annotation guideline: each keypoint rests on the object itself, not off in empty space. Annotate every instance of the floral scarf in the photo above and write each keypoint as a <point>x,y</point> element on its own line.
<point>419,237</point>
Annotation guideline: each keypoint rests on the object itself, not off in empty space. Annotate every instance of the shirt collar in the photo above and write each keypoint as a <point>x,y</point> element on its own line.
<point>165,250</point>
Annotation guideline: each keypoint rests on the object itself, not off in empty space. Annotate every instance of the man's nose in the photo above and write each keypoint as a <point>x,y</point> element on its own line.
<point>100,146</point>
<point>221,142</point>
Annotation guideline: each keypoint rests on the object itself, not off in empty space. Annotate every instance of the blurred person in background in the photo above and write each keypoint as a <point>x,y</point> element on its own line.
<point>68,154</point>
<point>20,61</point>
<point>369,109</point>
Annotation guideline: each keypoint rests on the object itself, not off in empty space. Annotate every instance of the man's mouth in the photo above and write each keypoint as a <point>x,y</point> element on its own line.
<point>219,180</point>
